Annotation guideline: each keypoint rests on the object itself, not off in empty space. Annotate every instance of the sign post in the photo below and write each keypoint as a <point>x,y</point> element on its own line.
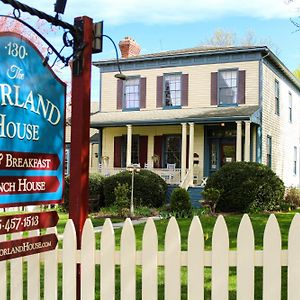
<point>80,134</point>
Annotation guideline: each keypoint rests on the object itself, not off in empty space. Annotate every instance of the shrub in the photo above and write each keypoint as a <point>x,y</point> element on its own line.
<point>246,186</point>
<point>180,200</point>
<point>292,197</point>
<point>122,202</point>
<point>149,188</point>
<point>211,197</point>
<point>96,196</point>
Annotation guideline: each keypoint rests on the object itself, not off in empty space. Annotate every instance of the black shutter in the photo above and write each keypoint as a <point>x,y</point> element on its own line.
<point>241,87</point>
<point>159,91</point>
<point>214,88</point>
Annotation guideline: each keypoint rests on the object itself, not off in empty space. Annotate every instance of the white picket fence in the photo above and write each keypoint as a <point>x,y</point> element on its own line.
<point>245,258</point>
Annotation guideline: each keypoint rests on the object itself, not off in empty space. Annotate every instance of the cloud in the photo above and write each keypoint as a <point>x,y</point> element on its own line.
<point>170,12</point>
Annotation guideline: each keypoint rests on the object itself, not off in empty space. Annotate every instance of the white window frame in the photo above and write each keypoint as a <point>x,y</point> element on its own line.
<point>228,86</point>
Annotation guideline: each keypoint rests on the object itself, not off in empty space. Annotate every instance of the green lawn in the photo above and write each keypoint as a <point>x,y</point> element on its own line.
<point>258,220</point>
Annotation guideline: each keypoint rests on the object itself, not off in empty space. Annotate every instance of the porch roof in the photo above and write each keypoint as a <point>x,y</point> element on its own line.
<point>201,115</point>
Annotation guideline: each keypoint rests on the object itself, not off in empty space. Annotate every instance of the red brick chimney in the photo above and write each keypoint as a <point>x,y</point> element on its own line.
<point>129,47</point>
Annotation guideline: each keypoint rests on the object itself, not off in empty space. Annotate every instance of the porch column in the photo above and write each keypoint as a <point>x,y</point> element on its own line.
<point>129,144</point>
<point>183,150</point>
<point>247,140</point>
<point>191,152</point>
<point>238,141</point>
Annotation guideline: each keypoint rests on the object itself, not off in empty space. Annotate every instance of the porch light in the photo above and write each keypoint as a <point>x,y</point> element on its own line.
<point>222,124</point>
<point>132,169</point>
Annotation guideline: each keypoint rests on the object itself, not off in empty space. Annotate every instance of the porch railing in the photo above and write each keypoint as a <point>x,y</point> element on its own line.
<point>170,176</point>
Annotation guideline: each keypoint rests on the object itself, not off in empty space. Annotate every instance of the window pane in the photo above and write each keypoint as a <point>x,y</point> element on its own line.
<point>131,93</point>
<point>172,90</point>
<point>228,87</point>
<point>173,150</point>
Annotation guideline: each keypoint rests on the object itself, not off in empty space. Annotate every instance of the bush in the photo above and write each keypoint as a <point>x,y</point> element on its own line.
<point>292,198</point>
<point>122,202</point>
<point>96,196</point>
<point>246,186</point>
<point>211,197</point>
<point>180,200</point>
<point>149,188</point>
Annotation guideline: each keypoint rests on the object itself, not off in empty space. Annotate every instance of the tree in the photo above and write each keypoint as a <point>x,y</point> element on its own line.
<point>223,38</point>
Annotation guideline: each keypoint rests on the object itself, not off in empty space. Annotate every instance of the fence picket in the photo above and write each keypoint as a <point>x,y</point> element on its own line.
<point>220,259</point>
<point>245,260</point>
<point>149,261</point>
<point>16,271</point>
<point>50,271</point>
<point>128,269</point>
<point>195,261</point>
<point>294,259</point>
<point>3,280</point>
<point>16,268</point>
<point>107,262</point>
<point>69,262</point>
<point>33,273</point>
<point>272,260</point>
<point>172,261</point>
<point>88,261</point>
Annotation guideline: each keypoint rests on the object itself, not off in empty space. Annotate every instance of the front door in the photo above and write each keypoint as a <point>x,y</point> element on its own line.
<point>221,151</point>
<point>227,153</point>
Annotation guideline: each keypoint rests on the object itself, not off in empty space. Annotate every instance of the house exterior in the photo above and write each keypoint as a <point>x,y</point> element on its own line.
<point>198,109</point>
<point>94,144</point>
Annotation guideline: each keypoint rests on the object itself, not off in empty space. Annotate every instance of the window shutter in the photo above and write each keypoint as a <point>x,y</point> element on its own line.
<point>119,94</point>
<point>214,88</point>
<point>184,89</point>
<point>143,150</point>
<point>158,139</point>
<point>143,93</point>
<point>241,87</point>
<point>117,151</point>
<point>159,91</point>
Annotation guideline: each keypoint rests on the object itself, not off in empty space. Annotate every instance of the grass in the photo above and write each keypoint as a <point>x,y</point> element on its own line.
<point>258,221</point>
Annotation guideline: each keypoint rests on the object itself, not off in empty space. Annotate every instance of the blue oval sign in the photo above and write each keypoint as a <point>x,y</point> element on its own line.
<point>32,126</point>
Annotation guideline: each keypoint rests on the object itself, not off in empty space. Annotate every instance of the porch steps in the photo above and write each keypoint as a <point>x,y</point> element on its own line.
<point>195,194</point>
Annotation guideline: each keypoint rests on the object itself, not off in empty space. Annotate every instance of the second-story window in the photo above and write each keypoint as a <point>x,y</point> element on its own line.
<point>277,98</point>
<point>290,107</point>
<point>228,87</point>
<point>131,93</point>
<point>172,90</point>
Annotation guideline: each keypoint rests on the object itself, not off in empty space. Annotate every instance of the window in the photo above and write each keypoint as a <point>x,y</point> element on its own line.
<point>228,87</point>
<point>277,99</point>
<point>132,93</point>
<point>172,150</point>
<point>269,151</point>
<point>172,90</point>
<point>295,161</point>
<point>290,107</point>
<point>135,157</point>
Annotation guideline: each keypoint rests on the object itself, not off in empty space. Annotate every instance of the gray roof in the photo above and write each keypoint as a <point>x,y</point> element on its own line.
<point>176,116</point>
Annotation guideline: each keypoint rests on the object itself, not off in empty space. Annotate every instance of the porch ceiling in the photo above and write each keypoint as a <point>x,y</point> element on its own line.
<point>176,116</point>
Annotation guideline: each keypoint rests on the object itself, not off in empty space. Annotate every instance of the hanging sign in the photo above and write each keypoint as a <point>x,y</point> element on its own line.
<point>32,126</point>
<point>27,246</point>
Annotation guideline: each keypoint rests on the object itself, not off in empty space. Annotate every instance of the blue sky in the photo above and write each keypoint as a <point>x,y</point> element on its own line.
<point>159,25</point>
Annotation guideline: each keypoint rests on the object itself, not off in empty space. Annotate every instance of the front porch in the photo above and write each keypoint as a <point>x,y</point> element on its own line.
<point>195,145</point>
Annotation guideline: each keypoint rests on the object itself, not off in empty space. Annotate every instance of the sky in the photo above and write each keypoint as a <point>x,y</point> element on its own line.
<point>160,25</point>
